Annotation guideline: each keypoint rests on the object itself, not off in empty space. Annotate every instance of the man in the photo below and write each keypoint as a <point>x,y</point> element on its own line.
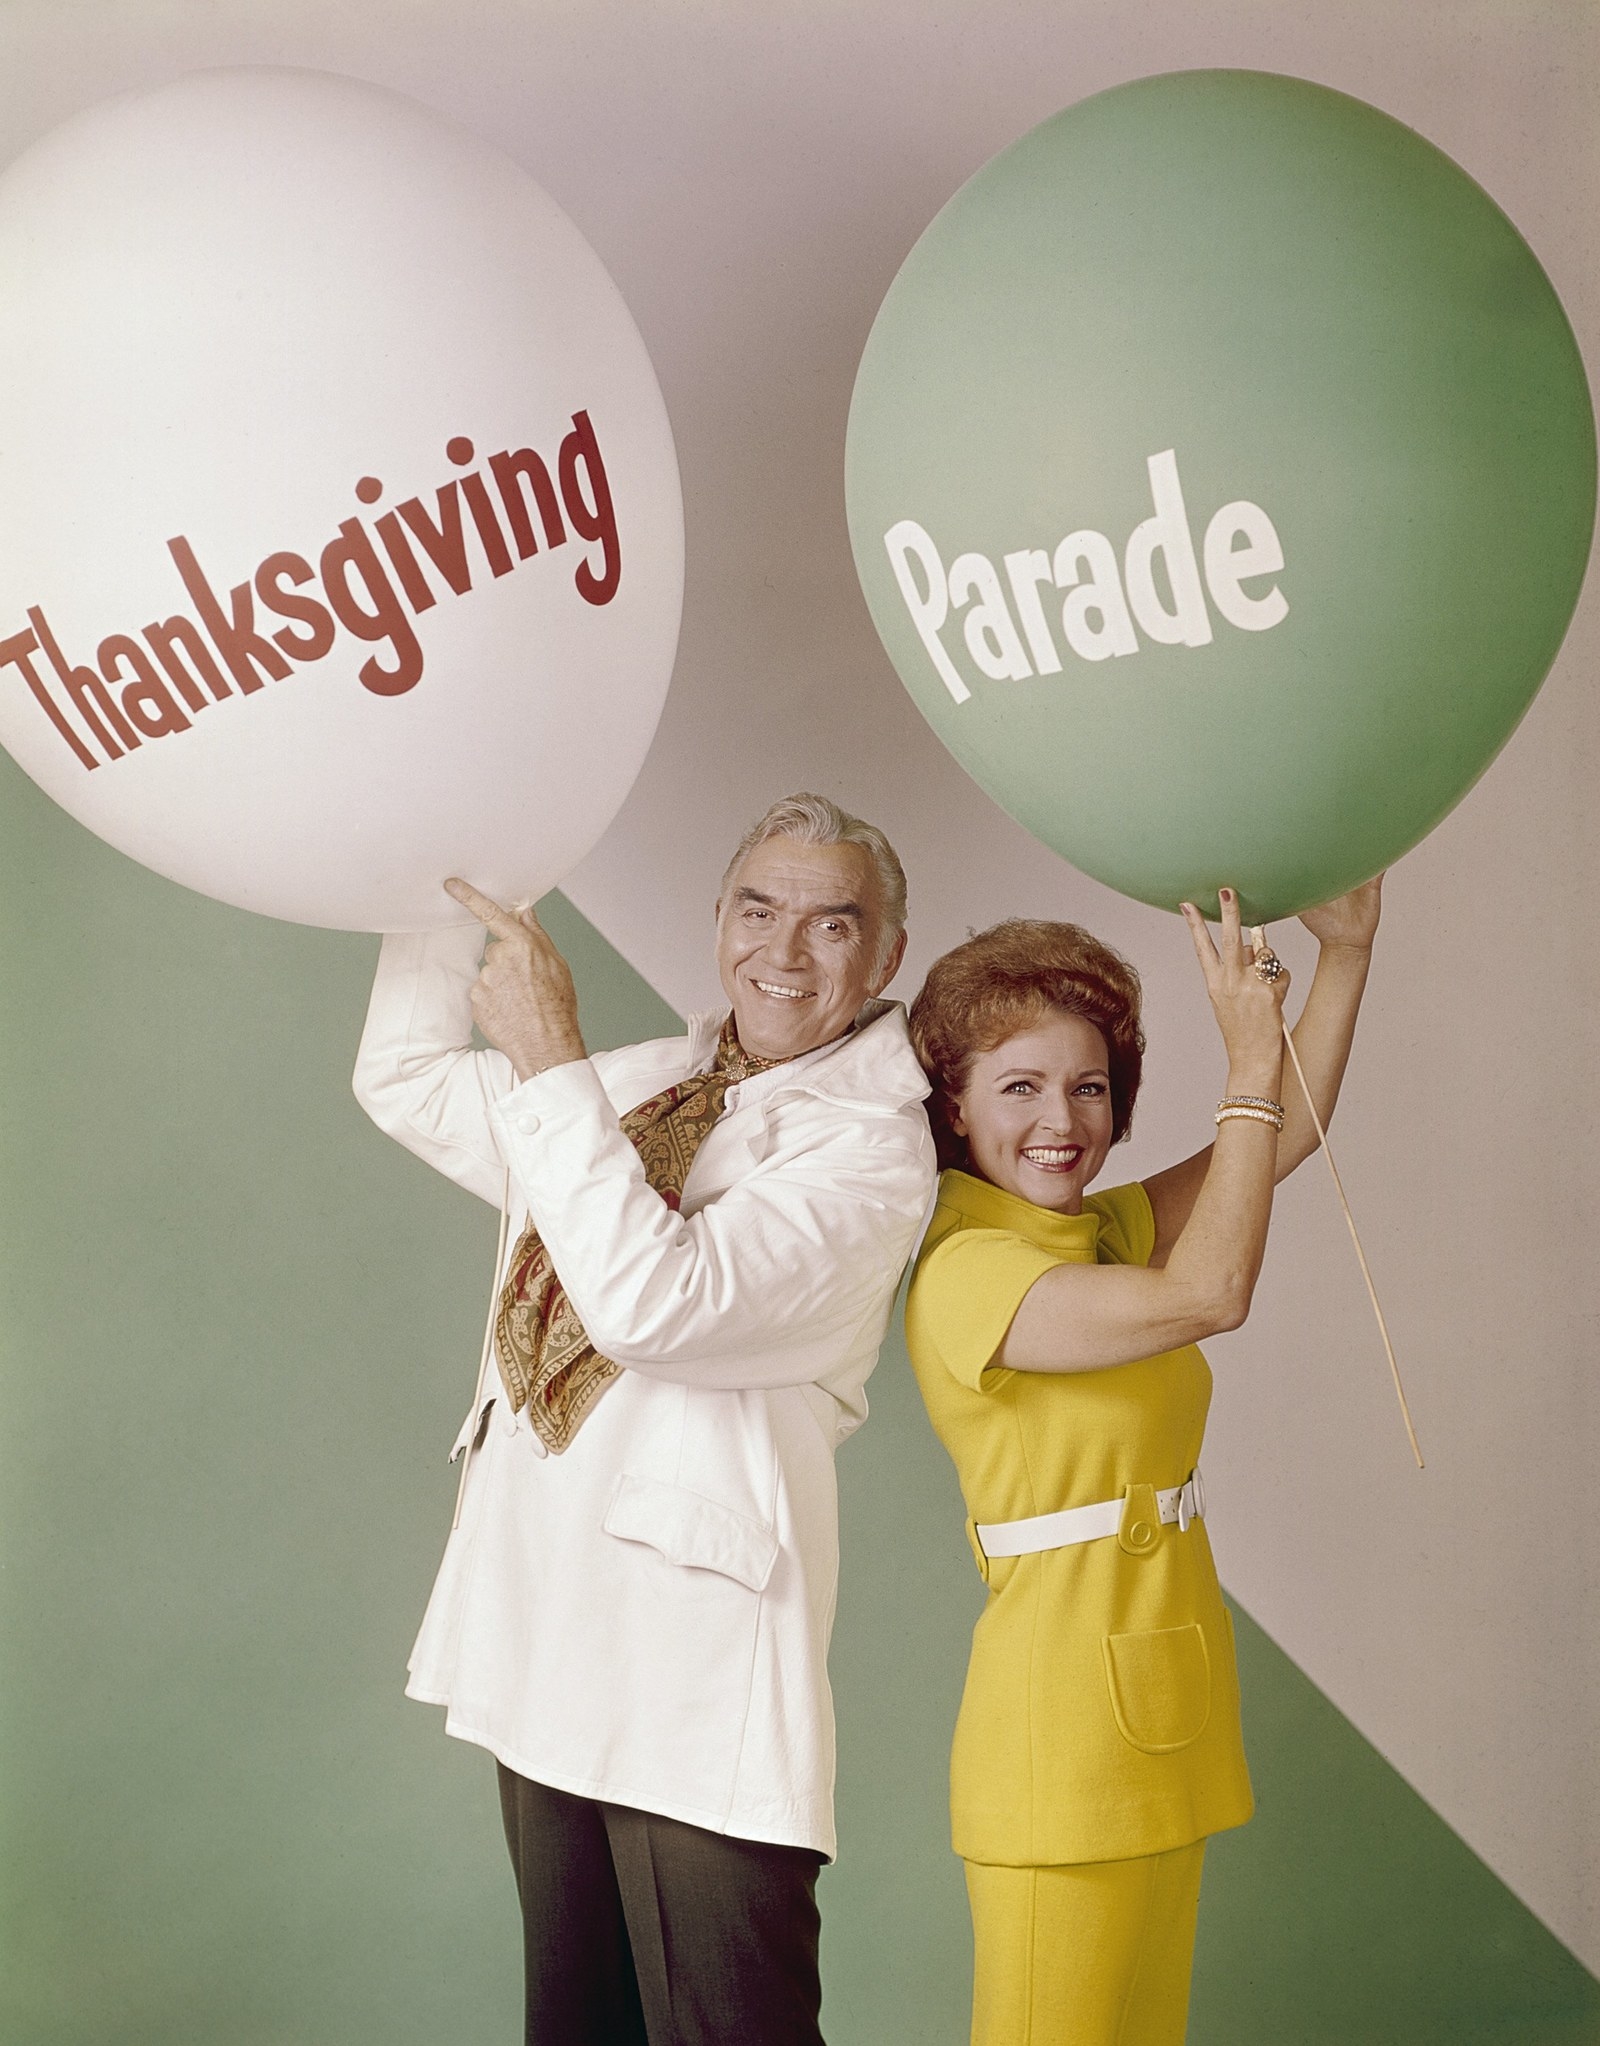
<point>634,1606</point>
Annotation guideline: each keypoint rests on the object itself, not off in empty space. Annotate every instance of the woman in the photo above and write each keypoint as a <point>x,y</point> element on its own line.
<point>1053,1333</point>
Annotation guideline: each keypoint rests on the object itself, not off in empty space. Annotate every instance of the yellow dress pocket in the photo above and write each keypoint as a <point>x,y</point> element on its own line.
<point>1160,1685</point>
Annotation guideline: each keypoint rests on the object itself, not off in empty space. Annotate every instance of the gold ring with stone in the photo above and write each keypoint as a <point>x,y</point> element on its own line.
<point>1269,967</point>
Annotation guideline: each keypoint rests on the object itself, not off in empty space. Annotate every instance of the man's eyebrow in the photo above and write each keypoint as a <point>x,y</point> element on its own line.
<point>854,909</point>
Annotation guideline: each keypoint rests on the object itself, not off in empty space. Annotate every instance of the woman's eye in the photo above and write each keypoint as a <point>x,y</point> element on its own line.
<point>1020,1087</point>
<point>1095,1087</point>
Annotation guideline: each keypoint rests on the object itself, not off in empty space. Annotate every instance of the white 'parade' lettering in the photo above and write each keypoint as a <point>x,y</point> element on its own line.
<point>1103,604</point>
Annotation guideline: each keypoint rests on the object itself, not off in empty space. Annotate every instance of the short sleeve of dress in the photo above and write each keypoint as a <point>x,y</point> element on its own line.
<point>964,1296</point>
<point>1127,1224</point>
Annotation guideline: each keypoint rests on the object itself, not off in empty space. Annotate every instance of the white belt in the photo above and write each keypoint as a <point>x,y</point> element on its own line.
<point>1182,1504</point>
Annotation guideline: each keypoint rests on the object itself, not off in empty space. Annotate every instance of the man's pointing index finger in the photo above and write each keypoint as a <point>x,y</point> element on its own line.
<point>484,907</point>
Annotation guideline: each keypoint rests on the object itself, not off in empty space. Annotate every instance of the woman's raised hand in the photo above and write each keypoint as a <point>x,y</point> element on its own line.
<point>1249,1008</point>
<point>1350,920</point>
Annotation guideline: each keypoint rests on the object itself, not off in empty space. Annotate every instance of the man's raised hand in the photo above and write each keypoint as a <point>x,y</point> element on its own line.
<point>523,999</point>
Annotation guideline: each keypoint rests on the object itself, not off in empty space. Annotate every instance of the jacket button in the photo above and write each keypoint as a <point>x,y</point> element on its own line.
<point>528,1124</point>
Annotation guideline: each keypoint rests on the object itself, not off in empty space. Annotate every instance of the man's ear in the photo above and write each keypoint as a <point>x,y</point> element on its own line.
<point>891,966</point>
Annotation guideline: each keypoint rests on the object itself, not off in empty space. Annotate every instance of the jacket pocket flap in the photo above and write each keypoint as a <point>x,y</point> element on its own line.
<point>1160,1685</point>
<point>691,1530</point>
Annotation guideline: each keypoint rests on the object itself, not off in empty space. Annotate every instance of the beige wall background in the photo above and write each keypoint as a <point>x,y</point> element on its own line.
<point>752,176</point>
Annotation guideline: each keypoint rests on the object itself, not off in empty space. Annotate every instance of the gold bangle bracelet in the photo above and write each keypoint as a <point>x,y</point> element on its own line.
<point>1237,1114</point>
<point>1251,1101</point>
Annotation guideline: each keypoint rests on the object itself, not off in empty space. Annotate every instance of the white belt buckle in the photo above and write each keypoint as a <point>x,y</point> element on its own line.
<point>1191,1500</point>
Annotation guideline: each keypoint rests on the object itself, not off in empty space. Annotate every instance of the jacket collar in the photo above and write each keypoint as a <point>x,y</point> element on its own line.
<point>871,1067</point>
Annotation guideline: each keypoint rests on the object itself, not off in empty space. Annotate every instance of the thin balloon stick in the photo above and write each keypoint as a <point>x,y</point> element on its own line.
<point>1355,1238</point>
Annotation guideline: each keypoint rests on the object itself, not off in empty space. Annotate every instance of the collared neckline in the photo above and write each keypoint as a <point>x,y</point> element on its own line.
<point>1071,1237</point>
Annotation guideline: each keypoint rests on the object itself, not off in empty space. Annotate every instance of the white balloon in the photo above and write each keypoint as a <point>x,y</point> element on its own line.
<point>341,542</point>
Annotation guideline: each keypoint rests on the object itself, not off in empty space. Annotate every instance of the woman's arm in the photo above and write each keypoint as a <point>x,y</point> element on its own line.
<point>1085,1317</point>
<point>1344,930</point>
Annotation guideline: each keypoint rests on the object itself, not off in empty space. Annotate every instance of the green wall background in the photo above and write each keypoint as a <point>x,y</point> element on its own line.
<point>237,1327</point>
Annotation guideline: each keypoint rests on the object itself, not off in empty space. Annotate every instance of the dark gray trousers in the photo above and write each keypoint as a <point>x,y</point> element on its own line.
<point>643,1931</point>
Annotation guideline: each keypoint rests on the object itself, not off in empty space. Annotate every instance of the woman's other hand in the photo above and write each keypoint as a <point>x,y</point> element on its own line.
<point>1349,920</point>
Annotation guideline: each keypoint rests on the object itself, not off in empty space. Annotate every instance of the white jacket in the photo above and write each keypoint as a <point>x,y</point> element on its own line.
<point>645,1618</point>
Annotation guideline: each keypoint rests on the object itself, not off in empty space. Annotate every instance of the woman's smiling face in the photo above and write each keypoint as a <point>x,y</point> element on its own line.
<point>1036,1112</point>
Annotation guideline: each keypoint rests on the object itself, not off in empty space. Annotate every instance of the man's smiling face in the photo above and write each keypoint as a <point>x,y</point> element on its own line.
<point>799,939</point>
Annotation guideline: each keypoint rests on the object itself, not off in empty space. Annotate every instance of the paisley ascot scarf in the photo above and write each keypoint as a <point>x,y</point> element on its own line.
<point>547,1362</point>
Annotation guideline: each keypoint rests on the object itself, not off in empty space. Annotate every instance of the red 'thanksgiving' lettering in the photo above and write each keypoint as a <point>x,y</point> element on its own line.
<point>233,632</point>
<point>87,691</point>
<point>368,582</point>
<point>19,650</point>
<point>593,517</point>
<point>444,544</point>
<point>518,472</point>
<point>147,699</point>
<point>177,645</point>
<point>271,576</point>
<point>354,554</point>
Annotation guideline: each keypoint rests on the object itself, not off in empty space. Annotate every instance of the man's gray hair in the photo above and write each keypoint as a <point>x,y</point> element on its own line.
<point>813,820</point>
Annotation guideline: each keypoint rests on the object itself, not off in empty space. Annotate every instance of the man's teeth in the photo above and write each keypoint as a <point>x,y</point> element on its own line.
<point>789,994</point>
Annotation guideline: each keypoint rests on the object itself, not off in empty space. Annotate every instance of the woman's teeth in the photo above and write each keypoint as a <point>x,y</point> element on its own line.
<point>1053,1159</point>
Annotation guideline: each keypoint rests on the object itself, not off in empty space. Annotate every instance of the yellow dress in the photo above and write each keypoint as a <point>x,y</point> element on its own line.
<point>1100,1719</point>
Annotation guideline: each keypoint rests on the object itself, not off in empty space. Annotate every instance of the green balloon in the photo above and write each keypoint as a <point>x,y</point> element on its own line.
<point>1221,476</point>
